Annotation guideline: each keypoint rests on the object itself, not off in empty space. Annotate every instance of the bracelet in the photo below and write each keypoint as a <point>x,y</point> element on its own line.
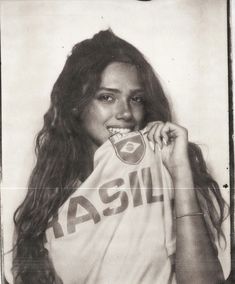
<point>190,214</point>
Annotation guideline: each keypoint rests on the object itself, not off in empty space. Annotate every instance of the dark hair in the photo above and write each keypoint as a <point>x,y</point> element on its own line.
<point>63,158</point>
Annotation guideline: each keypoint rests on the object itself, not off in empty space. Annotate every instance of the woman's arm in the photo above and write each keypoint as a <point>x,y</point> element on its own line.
<point>196,259</point>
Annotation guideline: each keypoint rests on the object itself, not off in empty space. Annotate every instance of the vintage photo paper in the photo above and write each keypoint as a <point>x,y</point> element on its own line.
<point>184,41</point>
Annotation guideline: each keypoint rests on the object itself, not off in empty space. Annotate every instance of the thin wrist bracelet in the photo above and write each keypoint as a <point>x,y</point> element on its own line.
<point>190,214</point>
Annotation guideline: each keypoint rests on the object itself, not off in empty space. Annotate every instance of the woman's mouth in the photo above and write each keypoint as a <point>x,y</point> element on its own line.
<point>114,130</point>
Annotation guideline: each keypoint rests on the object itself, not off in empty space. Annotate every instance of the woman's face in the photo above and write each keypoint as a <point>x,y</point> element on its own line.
<point>117,106</point>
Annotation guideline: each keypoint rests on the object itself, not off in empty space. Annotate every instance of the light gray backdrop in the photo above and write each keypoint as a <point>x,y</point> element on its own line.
<point>184,40</point>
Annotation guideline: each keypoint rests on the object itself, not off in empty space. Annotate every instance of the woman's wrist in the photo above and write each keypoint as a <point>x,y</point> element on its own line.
<point>190,214</point>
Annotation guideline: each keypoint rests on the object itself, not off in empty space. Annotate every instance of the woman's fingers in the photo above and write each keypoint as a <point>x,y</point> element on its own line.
<point>154,133</point>
<point>163,133</point>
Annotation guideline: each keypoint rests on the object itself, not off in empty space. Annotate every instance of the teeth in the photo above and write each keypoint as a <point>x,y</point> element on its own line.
<point>115,130</point>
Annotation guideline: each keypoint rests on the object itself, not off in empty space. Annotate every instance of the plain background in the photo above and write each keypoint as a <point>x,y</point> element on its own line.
<point>184,40</point>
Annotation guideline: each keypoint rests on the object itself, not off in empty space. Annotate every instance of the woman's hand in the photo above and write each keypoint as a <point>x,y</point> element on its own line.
<point>172,139</point>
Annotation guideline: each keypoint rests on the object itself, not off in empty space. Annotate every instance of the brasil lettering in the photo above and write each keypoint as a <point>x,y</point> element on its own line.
<point>136,198</point>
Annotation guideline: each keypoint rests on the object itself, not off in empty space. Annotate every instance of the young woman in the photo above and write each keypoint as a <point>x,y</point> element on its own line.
<point>108,93</point>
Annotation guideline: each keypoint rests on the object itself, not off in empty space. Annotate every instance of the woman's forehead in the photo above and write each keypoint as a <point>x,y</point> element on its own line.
<point>119,73</point>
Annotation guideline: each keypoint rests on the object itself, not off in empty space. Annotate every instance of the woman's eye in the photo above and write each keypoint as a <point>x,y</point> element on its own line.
<point>138,99</point>
<point>106,98</point>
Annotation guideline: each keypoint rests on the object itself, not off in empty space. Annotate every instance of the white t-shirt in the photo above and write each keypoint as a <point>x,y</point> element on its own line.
<point>117,227</point>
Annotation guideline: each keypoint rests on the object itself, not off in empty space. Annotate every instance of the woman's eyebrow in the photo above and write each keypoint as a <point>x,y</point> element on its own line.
<point>137,91</point>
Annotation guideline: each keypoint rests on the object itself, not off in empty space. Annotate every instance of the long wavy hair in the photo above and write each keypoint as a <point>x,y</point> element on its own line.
<point>64,157</point>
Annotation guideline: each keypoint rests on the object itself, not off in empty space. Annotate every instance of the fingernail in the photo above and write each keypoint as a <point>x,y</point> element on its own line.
<point>152,145</point>
<point>164,141</point>
<point>159,148</point>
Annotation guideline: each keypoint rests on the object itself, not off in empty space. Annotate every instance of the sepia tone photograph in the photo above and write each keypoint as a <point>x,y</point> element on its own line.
<point>116,165</point>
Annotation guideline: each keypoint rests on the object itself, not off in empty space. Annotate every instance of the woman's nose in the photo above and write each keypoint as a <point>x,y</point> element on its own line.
<point>123,111</point>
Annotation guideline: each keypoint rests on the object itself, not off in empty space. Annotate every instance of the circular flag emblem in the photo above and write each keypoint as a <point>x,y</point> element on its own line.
<point>129,148</point>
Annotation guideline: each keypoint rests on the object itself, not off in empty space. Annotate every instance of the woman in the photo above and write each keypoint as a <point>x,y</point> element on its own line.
<point>107,88</point>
